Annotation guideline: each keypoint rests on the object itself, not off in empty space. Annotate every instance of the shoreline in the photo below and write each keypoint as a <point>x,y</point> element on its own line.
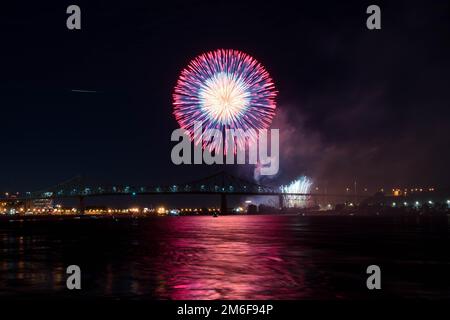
<point>7,219</point>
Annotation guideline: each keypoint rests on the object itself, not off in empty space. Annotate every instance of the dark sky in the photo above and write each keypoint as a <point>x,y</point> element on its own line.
<point>353,103</point>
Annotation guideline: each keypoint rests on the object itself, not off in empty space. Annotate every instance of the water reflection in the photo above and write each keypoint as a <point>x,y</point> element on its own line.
<point>230,257</point>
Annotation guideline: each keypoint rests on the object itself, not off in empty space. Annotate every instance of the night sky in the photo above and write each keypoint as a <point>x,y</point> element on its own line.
<point>353,103</point>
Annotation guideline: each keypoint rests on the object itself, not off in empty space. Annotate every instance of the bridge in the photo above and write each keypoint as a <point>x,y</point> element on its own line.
<point>221,183</point>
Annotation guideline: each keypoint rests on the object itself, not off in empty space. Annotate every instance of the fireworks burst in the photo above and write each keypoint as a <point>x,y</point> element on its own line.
<point>225,89</point>
<point>302,185</point>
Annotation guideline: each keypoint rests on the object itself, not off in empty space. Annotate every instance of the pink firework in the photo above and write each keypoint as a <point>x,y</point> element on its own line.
<point>225,89</point>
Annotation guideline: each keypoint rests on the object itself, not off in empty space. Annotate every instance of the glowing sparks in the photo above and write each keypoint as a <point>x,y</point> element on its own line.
<point>224,98</point>
<point>302,185</point>
<point>225,89</point>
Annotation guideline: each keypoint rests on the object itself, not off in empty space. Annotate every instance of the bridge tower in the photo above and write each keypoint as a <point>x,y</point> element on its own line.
<point>223,203</point>
<point>281,202</point>
<point>81,204</point>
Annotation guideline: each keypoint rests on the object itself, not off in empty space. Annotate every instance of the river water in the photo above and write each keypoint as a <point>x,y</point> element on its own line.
<point>229,257</point>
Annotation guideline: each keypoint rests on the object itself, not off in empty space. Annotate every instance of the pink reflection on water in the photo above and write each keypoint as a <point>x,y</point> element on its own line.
<point>230,258</point>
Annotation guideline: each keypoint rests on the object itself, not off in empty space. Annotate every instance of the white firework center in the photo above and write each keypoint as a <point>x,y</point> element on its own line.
<point>224,97</point>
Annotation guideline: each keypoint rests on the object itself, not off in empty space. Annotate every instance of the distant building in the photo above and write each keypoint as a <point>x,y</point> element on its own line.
<point>42,204</point>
